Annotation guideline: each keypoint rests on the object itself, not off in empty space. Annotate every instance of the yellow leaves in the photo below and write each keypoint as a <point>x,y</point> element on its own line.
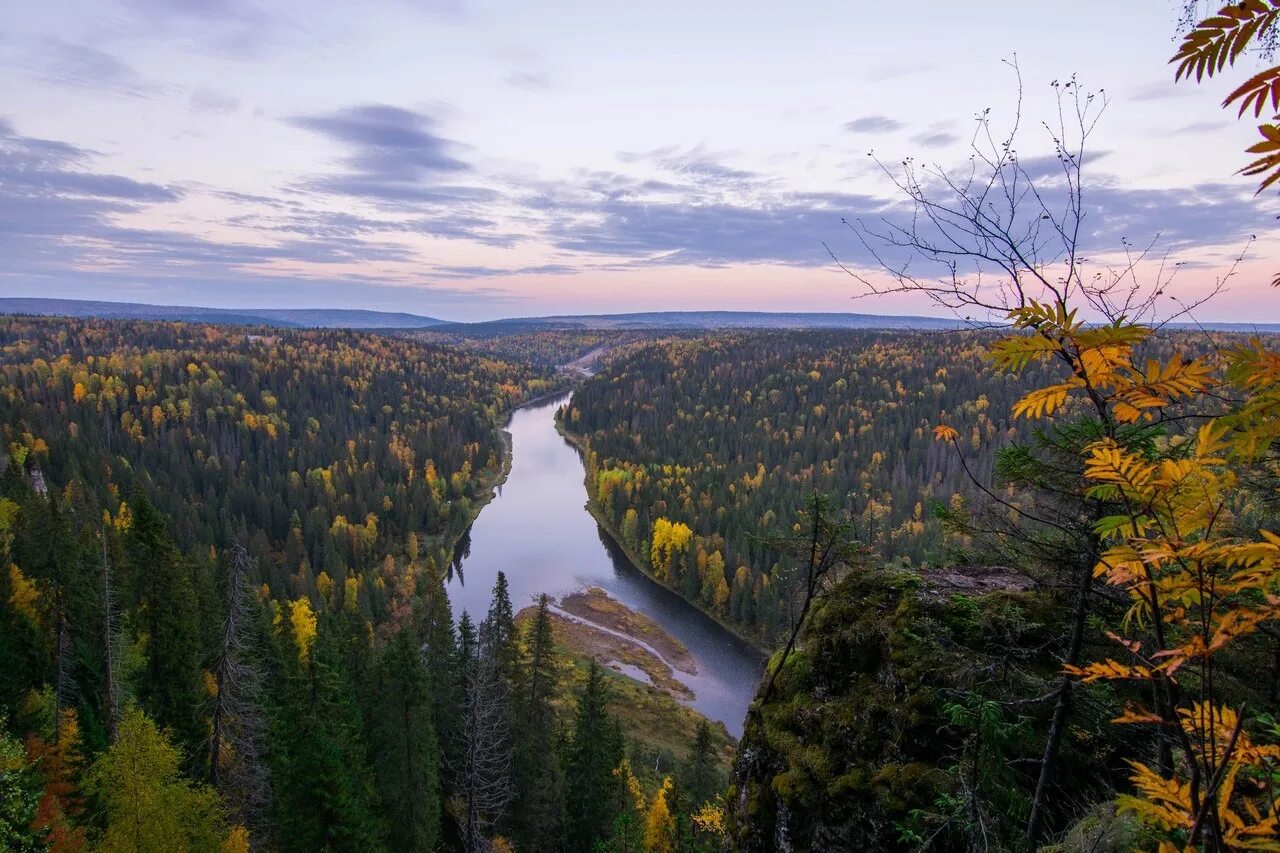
<point>1108,670</point>
<point>124,518</point>
<point>1135,715</point>
<point>942,432</point>
<point>669,539</point>
<point>1017,351</point>
<point>631,783</point>
<point>1107,462</point>
<point>237,841</point>
<point>660,825</point>
<point>710,818</point>
<point>1158,385</point>
<point>303,621</point>
<point>1046,317</point>
<point>23,594</point>
<point>1165,803</point>
<point>1042,402</point>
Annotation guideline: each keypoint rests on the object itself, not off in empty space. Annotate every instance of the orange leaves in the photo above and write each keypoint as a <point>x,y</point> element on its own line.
<point>1158,385</point>
<point>1109,670</point>
<point>1214,44</point>
<point>1165,803</point>
<point>1256,92</point>
<point>1268,163</point>
<point>943,432</point>
<point>1195,589</point>
<point>1137,716</point>
<point>1217,41</point>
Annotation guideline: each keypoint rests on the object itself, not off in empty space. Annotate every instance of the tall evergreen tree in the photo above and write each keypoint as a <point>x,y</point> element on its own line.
<point>539,806</point>
<point>325,797</point>
<point>596,749</point>
<point>171,686</point>
<point>700,781</point>
<point>406,753</point>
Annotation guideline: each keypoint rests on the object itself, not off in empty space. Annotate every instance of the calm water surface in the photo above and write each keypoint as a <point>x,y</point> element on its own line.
<point>539,532</point>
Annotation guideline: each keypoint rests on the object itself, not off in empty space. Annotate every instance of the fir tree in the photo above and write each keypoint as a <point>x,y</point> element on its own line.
<point>594,752</point>
<point>407,755</point>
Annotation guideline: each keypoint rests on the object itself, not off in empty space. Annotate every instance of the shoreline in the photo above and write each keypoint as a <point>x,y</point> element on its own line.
<point>580,444</point>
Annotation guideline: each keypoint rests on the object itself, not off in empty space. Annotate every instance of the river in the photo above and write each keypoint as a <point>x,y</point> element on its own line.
<point>538,531</point>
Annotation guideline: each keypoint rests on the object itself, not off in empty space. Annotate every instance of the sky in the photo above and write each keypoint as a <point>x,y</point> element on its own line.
<point>473,160</point>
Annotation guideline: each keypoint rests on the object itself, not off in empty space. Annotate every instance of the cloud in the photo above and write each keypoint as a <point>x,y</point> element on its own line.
<point>873,124</point>
<point>35,168</point>
<point>1161,90</point>
<point>395,156</point>
<point>80,66</point>
<point>1200,127</point>
<point>935,139</point>
<point>232,29</point>
<point>208,101</point>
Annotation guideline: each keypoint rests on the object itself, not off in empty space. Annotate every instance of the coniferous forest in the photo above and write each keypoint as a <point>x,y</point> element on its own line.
<point>1002,578</point>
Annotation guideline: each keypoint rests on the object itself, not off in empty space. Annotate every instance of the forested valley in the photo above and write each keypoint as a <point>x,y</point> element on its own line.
<point>224,622</point>
<point>1011,587</point>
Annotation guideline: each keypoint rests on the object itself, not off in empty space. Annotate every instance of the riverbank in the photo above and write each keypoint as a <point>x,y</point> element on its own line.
<point>594,605</point>
<point>580,444</point>
<point>660,728</point>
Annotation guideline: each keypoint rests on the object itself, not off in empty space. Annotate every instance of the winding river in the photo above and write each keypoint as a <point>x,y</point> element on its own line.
<point>538,531</point>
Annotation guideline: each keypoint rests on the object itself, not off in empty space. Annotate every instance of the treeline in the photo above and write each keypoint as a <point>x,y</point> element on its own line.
<point>695,447</point>
<point>545,348</point>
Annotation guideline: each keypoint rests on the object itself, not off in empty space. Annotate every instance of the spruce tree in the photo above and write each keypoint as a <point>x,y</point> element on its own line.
<point>405,749</point>
<point>596,749</point>
<point>171,686</point>
<point>538,818</point>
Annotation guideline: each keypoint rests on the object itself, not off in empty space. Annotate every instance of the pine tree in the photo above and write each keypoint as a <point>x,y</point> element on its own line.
<point>539,805</point>
<point>405,748</point>
<point>325,796</point>
<point>237,767</point>
<point>594,752</point>
<point>171,687</point>
<point>700,779</point>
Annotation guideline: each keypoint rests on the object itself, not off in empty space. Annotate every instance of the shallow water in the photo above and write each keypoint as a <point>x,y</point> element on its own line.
<point>538,531</point>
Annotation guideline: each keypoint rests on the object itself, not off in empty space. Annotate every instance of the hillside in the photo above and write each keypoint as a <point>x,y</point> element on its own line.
<point>315,318</point>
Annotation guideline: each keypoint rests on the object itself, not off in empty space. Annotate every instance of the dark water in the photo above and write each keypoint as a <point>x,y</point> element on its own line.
<point>539,532</point>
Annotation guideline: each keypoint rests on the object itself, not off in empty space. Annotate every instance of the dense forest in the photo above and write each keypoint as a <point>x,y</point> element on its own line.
<point>224,624</point>
<point>695,447</point>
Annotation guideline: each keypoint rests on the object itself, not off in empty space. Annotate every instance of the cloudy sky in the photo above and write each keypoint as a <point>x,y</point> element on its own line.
<point>471,159</point>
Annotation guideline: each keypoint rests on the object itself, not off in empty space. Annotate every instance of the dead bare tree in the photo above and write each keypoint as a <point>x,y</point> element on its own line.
<point>484,778</point>
<point>109,639</point>
<point>237,765</point>
<point>822,552</point>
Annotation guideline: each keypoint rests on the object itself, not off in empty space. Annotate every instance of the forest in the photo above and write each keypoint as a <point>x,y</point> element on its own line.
<point>1018,584</point>
<point>224,622</point>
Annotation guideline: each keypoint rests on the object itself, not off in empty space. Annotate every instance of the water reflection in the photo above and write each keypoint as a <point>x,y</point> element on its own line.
<point>538,531</point>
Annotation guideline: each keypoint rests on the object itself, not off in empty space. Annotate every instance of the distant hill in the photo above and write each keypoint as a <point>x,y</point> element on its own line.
<point>316,318</point>
<point>711,320</point>
<point>331,318</point>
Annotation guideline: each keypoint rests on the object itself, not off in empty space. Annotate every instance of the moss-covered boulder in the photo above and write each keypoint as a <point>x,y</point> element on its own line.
<point>901,700</point>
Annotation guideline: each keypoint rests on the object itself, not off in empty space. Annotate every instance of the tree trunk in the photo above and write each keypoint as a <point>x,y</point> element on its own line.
<point>1061,708</point>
